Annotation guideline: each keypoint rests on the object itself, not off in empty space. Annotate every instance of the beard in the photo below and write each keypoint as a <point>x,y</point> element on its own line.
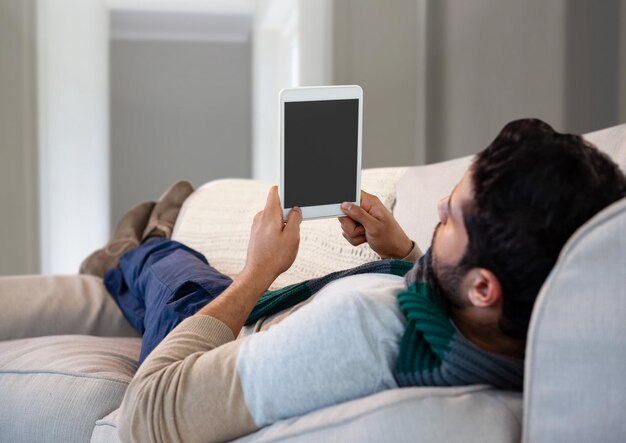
<point>446,278</point>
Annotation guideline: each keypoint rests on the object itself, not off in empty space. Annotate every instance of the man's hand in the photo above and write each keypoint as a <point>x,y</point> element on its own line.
<point>273,244</point>
<point>373,223</point>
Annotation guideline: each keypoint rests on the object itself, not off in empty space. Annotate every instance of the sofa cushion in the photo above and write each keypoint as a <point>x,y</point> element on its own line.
<point>38,305</point>
<point>105,430</point>
<point>427,415</point>
<point>55,388</point>
<point>216,221</point>
<point>612,141</point>
<point>418,192</point>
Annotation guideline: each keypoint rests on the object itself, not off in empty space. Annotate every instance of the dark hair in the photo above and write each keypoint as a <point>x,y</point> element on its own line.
<point>533,187</point>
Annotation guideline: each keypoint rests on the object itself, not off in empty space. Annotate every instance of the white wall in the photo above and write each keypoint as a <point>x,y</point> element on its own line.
<point>73,130</point>
<point>19,236</point>
<point>292,46</point>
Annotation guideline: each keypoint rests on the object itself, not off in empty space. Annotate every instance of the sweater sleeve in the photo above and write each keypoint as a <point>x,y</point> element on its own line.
<point>188,389</point>
<point>415,254</point>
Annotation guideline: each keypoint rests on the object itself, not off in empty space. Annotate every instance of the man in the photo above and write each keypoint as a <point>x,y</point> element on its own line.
<point>458,316</point>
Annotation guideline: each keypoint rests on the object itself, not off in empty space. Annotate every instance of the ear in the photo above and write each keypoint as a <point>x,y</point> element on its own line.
<point>484,288</point>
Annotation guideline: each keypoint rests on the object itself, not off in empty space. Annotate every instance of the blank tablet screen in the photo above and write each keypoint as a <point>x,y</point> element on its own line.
<point>321,149</point>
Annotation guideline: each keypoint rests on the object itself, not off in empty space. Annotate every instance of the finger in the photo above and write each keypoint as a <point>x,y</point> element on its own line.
<point>294,219</point>
<point>358,232</point>
<point>358,214</point>
<point>355,241</point>
<point>353,230</point>
<point>349,225</point>
<point>368,201</point>
<point>272,205</point>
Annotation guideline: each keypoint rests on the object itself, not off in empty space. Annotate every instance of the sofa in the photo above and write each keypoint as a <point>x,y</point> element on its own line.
<point>67,354</point>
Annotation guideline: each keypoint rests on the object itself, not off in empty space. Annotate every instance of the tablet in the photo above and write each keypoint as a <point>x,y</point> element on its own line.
<point>320,147</point>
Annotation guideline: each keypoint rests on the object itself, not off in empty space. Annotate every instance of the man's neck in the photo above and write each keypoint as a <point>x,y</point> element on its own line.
<point>487,335</point>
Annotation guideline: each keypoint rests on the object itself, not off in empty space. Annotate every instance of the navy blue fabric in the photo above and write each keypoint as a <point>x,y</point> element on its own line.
<point>159,284</point>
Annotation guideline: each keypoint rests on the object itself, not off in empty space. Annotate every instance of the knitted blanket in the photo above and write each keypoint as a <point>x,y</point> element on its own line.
<point>432,350</point>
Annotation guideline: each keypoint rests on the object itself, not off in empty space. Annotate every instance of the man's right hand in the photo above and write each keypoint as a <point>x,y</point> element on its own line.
<point>273,243</point>
<point>373,223</point>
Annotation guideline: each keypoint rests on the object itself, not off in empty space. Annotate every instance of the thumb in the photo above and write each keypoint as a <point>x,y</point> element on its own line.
<point>357,213</point>
<point>294,218</point>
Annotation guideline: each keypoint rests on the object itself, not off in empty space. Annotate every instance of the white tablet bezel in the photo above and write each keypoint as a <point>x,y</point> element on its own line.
<point>319,93</point>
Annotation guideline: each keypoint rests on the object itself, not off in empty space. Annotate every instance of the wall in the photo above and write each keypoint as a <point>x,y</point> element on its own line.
<point>376,46</point>
<point>442,77</point>
<point>73,131</point>
<point>292,46</point>
<point>622,63</point>
<point>492,61</point>
<point>180,101</point>
<point>19,236</point>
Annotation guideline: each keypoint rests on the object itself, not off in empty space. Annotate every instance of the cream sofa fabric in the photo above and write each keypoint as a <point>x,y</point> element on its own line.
<point>216,221</point>
<point>53,389</point>
<point>450,415</point>
<point>576,357</point>
<point>418,192</point>
<point>39,305</point>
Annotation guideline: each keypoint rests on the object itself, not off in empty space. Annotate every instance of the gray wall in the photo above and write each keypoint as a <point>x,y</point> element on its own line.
<point>493,61</point>
<point>622,69</point>
<point>441,77</point>
<point>179,110</point>
<point>19,233</point>
<point>375,46</point>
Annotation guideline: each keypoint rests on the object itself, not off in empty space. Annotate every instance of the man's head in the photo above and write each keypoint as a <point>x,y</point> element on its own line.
<point>503,226</point>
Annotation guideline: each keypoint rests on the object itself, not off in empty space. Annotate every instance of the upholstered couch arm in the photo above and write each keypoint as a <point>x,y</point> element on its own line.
<point>576,356</point>
<point>39,305</point>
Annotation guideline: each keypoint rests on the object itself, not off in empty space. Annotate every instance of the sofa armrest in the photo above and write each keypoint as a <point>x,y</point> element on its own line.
<point>38,305</point>
<point>576,354</point>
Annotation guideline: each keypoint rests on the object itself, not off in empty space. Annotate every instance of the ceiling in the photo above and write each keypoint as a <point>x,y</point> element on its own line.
<point>209,6</point>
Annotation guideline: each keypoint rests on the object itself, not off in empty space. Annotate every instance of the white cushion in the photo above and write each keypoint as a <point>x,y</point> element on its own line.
<point>55,388</point>
<point>418,192</point>
<point>612,141</point>
<point>105,430</point>
<point>216,221</point>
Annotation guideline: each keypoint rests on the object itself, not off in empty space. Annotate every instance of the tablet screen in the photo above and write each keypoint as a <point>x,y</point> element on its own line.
<point>320,152</point>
